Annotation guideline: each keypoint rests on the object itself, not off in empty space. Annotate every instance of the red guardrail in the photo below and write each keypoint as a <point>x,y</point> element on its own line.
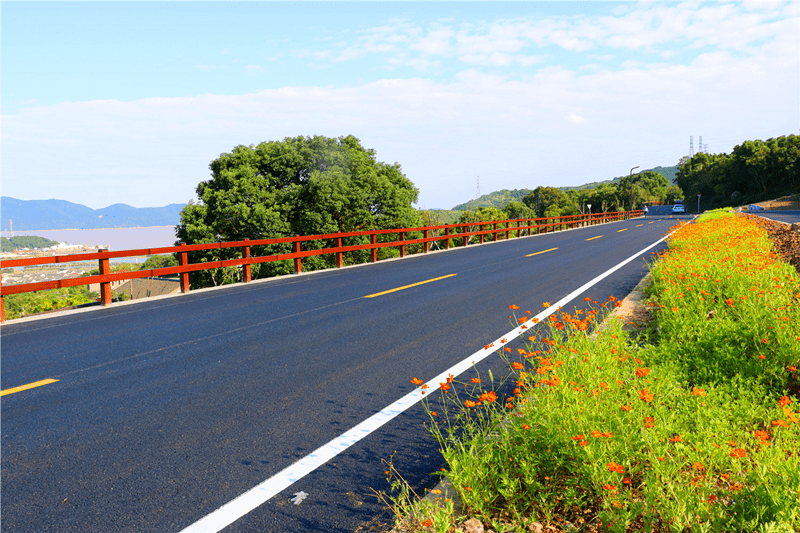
<point>521,226</point>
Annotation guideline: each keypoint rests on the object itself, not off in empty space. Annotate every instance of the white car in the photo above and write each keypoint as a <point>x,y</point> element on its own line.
<point>678,208</point>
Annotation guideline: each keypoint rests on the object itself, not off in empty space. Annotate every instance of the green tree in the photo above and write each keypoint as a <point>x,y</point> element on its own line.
<point>298,186</point>
<point>552,202</point>
<point>645,186</point>
<point>518,210</point>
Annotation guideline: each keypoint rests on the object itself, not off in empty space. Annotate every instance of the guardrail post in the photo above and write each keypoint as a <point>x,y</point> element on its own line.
<point>373,251</point>
<point>403,246</point>
<point>447,241</point>
<point>105,286</point>
<point>183,260</point>
<point>427,244</point>
<point>298,262</point>
<point>339,255</point>
<point>494,233</point>
<point>246,270</point>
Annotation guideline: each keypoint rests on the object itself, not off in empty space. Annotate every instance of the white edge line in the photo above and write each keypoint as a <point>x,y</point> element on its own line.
<point>243,504</point>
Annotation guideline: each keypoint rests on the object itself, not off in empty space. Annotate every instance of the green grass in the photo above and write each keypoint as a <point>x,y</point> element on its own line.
<point>691,427</point>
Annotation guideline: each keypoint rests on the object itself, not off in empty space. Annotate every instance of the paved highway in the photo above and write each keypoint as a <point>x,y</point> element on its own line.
<point>790,217</point>
<point>166,410</point>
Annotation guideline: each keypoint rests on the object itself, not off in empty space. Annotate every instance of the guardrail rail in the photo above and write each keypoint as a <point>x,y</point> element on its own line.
<point>495,229</point>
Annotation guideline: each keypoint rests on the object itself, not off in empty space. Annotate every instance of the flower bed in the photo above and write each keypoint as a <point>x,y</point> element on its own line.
<point>692,426</point>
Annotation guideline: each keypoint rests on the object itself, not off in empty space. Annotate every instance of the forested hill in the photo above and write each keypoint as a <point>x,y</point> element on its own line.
<point>501,198</point>
<point>60,214</point>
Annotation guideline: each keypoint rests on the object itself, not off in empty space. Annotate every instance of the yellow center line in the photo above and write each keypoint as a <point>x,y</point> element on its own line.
<point>28,386</point>
<point>409,286</point>
<point>593,238</point>
<point>624,229</point>
<point>652,221</point>
<point>543,251</point>
<point>637,225</point>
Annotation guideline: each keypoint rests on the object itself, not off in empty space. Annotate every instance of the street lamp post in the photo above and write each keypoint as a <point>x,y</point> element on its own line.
<point>698,202</point>
<point>630,180</point>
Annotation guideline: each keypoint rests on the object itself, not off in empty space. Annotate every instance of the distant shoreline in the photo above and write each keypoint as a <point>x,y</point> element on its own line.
<point>84,229</point>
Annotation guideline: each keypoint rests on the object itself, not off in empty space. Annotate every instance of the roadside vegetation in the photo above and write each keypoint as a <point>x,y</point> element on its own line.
<point>31,303</point>
<point>689,425</point>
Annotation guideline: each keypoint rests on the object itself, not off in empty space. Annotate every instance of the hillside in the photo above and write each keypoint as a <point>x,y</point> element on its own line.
<point>59,214</point>
<point>501,198</point>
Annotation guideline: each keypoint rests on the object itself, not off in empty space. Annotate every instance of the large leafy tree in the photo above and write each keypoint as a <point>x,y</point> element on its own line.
<point>552,202</point>
<point>298,186</point>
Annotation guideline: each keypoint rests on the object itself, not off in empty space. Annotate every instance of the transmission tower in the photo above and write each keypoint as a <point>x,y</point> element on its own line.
<point>478,190</point>
<point>691,146</point>
<point>700,144</point>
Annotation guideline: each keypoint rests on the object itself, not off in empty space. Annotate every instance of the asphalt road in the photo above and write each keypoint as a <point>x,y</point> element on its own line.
<point>790,217</point>
<point>167,409</point>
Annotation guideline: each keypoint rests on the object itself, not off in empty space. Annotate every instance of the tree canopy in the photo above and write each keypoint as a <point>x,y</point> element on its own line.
<point>754,171</point>
<point>298,186</point>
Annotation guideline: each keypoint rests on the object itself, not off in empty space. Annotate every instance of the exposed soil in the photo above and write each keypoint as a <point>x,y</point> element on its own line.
<point>785,241</point>
<point>787,203</point>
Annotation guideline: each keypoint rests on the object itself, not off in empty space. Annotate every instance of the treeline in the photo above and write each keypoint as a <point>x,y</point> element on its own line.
<point>25,241</point>
<point>618,195</point>
<point>754,171</point>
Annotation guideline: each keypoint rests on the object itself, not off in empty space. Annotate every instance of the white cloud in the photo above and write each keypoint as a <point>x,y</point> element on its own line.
<point>512,132</point>
<point>552,124</point>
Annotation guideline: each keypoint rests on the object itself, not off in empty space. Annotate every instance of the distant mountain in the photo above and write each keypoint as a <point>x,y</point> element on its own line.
<point>501,198</point>
<point>60,214</point>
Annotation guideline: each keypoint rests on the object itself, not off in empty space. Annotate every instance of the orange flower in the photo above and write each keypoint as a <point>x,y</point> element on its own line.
<point>596,434</point>
<point>626,407</point>
<point>517,366</point>
<point>444,386</point>
<point>427,523</point>
<point>417,381</point>
<point>738,453</point>
<point>626,480</point>
<point>469,403</point>
<point>513,307</point>
<point>434,413</point>
<point>611,298</point>
<point>790,415</point>
<point>645,395</point>
<point>729,301</point>
<point>614,467</point>
<point>522,319</point>
<point>784,401</point>
<point>610,487</point>
<point>546,305</point>
<point>476,380</point>
<point>674,309</point>
<point>488,397</point>
<point>697,466</point>
<point>698,392</point>
<point>649,422</point>
<point>578,437</point>
<point>587,299</point>
<point>782,423</point>
<point>525,426</point>
<point>712,499</point>
<point>613,351</point>
<point>676,438</point>
<point>584,443</point>
<point>642,372</point>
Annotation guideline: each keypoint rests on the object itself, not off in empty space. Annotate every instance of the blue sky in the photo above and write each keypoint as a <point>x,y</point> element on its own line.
<point>107,102</point>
